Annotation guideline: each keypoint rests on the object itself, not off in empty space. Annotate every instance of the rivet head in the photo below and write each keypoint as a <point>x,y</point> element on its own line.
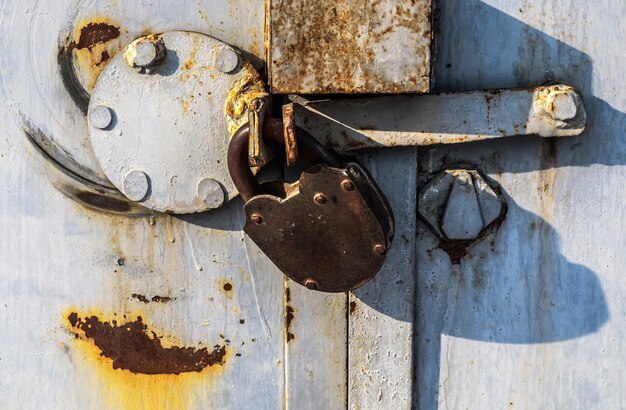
<point>136,185</point>
<point>256,218</point>
<point>380,249</point>
<point>320,199</point>
<point>147,52</point>
<point>226,60</point>
<point>100,117</point>
<point>565,107</point>
<point>210,192</point>
<point>311,284</point>
<point>347,185</point>
<point>355,171</point>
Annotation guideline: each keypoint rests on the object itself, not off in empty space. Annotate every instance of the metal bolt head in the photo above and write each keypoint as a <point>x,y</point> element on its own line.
<point>347,185</point>
<point>311,284</point>
<point>380,249</point>
<point>320,199</point>
<point>256,218</point>
<point>354,171</point>
<point>136,185</point>
<point>100,117</point>
<point>145,53</point>
<point>226,60</point>
<point>565,106</point>
<point>210,192</point>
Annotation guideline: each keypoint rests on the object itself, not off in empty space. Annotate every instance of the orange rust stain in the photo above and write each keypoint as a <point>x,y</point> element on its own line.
<point>185,105</point>
<point>124,389</point>
<point>158,256</point>
<point>93,44</point>
<point>254,48</point>
<point>547,180</point>
<point>226,287</point>
<point>192,59</point>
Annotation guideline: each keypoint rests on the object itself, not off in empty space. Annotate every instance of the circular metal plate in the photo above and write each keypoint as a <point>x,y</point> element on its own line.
<point>169,122</point>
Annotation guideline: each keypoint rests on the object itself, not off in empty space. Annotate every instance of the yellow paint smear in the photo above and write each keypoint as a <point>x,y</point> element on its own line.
<point>122,389</point>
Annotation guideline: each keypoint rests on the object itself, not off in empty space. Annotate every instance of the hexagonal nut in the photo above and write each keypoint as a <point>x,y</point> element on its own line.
<point>460,204</point>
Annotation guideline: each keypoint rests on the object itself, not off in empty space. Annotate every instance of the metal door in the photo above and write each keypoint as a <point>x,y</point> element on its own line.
<point>185,312</point>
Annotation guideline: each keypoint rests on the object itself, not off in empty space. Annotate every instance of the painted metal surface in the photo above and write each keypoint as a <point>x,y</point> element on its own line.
<point>205,291</point>
<point>382,313</point>
<point>443,118</point>
<point>532,317</point>
<point>346,46</point>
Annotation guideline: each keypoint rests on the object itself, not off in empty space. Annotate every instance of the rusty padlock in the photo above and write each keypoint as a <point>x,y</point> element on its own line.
<point>328,231</point>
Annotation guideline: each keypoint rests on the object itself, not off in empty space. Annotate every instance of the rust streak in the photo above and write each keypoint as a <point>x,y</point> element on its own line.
<point>162,299</point>
<point>289,316</point>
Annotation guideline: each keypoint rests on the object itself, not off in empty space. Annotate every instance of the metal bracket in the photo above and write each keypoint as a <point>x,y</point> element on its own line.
<point>259,151</point>
<point>445,118</point>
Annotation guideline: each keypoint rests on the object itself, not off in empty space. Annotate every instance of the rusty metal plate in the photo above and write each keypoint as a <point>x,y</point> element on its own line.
<point>329,235</point>
<point>349,46</point>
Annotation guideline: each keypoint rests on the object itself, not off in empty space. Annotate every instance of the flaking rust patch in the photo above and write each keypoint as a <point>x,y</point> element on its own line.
<point>133,366</point>
<point>83,55</point>
<point>132,346</point>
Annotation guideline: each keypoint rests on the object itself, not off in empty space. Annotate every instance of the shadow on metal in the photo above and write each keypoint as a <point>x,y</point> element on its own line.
<point>571,302</point>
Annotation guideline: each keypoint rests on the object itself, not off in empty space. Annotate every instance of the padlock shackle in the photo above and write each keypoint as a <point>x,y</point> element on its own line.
<point>238,165</point>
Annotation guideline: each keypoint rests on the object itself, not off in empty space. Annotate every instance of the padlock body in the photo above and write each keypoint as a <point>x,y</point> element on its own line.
<point>330,231</point>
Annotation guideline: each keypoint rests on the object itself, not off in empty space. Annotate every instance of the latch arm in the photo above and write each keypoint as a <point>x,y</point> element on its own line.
<point>444,118</point>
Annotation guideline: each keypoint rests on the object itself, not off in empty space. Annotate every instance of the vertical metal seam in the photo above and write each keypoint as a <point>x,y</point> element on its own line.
<point>347,307</point>
<point>415,304</point>
<point>285,347</point>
